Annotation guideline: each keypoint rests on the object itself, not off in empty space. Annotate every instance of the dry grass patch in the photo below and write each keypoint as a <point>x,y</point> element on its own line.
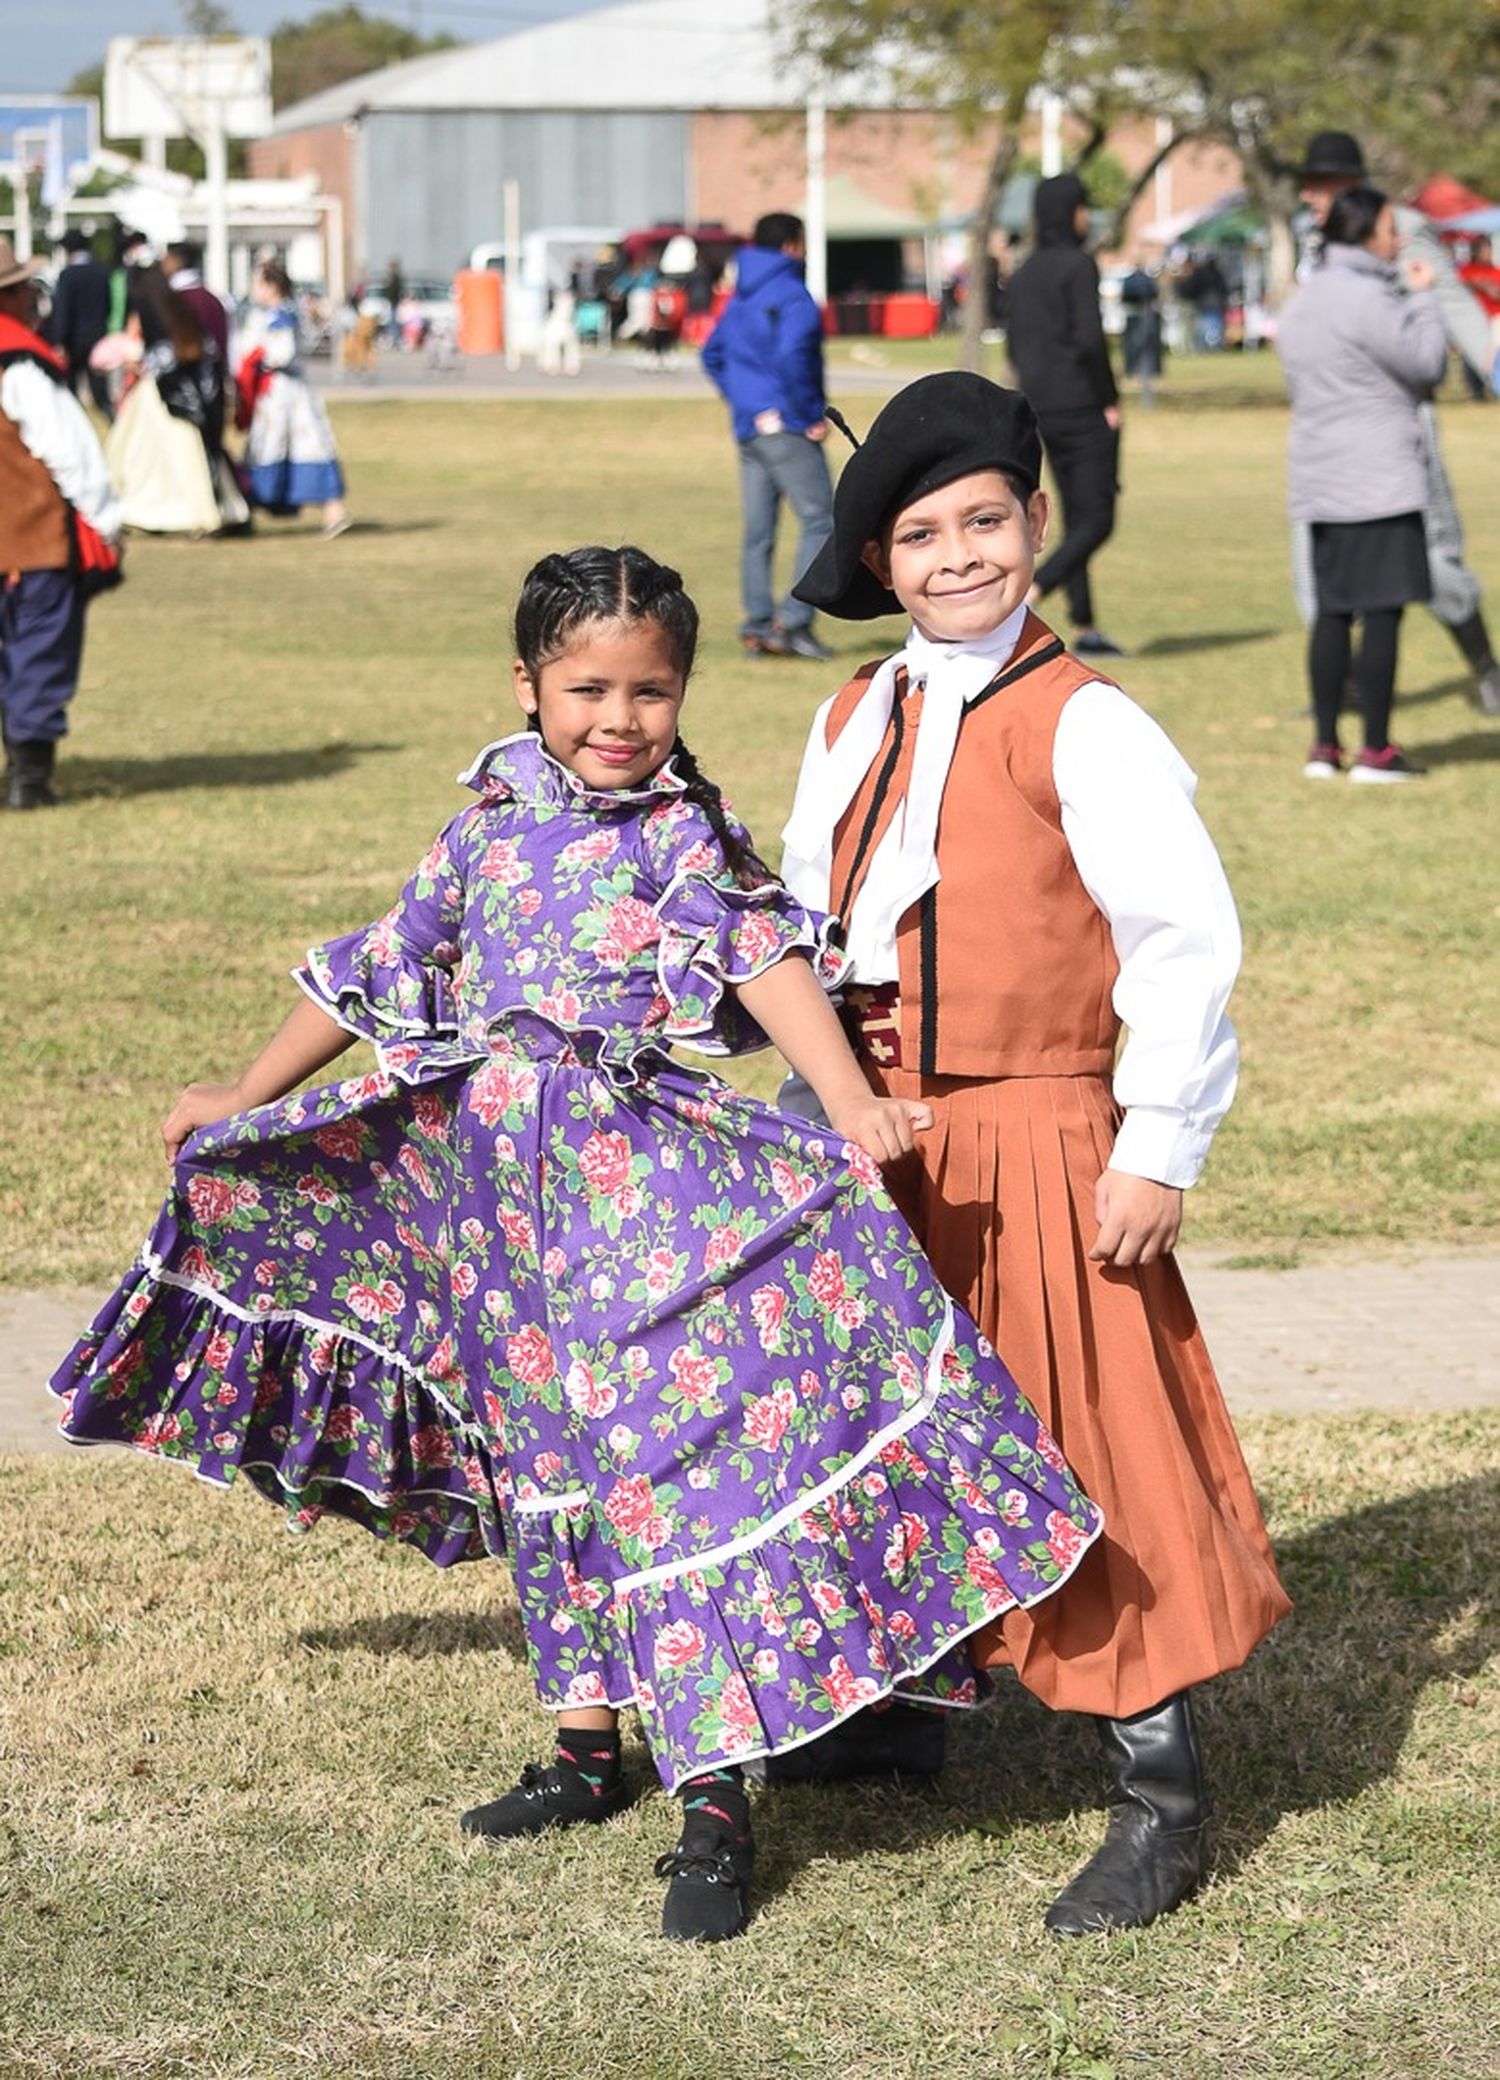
<point>232,1762</point>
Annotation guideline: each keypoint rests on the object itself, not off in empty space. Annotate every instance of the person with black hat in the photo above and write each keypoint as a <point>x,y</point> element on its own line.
<point>1335,163</point>
<point>1011,846</point>
<point>1055,338</point>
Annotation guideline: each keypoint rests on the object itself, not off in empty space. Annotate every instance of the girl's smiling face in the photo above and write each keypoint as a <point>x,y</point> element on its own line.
<point>960,559</point>
<point>608,705</point>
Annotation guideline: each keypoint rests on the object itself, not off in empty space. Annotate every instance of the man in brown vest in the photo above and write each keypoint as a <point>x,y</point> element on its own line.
<point>59,518</point>
<point>1011,845</point>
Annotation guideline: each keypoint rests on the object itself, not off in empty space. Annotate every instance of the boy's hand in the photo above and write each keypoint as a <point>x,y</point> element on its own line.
<point>885,1128</point>
<point>1139,1220</point>
<point>200,1105</point>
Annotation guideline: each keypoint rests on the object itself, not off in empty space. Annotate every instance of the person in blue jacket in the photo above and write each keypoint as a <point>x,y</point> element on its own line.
<point>766,357</point>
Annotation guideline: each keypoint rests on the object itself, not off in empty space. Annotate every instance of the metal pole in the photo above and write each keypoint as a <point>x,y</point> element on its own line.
<point>21,185</point>
<point>1052,150</point>
<point>216,166</point>
<point>817,201</point>
<point>512,305</point>
<point>333,249</point>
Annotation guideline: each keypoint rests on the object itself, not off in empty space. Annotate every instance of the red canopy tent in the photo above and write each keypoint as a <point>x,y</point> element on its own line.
<point>1443,196</point>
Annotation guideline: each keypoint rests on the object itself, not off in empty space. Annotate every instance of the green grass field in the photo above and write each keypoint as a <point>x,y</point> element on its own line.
<point>267,730</point>
<point>233,1762</point>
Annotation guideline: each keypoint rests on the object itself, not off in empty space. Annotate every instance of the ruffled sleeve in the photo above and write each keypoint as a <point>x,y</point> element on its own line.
<point>393,980</point>
<point>715,934</point>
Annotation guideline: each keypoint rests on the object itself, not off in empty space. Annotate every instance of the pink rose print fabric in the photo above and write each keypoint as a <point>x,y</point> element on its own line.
<point>533,1289</point>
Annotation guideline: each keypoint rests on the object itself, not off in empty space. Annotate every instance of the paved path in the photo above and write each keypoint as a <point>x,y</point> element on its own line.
<point>1397,1333</point>
<point>409,377</point>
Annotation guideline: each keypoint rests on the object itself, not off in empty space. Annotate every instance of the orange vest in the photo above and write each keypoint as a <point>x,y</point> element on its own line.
<point>1006,966</point>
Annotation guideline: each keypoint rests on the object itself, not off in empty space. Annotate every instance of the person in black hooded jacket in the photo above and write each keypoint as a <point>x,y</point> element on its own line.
<point>1057,346</point>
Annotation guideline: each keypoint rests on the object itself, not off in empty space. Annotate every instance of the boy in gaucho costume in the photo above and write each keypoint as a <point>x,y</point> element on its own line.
<point>1012,846</point>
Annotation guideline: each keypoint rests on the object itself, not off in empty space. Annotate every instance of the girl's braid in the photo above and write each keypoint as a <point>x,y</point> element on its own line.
<point>741,857</point>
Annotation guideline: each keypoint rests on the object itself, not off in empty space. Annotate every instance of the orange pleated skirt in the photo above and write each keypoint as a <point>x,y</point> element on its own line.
<point>1183,1583</point>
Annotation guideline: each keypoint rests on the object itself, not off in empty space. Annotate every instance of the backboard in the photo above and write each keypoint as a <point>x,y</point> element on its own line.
<point>38,128</point>
<point>180,86</point>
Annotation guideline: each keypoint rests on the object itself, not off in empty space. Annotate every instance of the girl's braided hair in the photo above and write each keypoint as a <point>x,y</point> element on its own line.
<point>563,593</point>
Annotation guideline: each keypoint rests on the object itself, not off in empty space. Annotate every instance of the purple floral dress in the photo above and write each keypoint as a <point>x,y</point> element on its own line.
<point>533,1288</point>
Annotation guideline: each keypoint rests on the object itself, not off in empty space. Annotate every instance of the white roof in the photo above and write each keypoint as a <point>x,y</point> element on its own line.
<point>619,54</point>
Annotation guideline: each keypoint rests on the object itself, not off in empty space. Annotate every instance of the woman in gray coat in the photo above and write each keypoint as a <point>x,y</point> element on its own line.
<point>1360,357</point>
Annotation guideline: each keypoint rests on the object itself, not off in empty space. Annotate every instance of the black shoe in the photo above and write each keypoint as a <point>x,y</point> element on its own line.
<point>1153,1855</point>
<point>903,1741</point>
<point>1093,643</point>
<point>708,1891</point>
<point>549,1795</point>
<point>28,776</point>
<point>801,642</point>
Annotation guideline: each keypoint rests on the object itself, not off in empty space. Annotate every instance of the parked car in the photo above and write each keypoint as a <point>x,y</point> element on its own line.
<point>428,297</point>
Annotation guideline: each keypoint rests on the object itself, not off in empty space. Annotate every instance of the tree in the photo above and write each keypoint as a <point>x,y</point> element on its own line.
<point>1417,80</point>
<point>978,63</point>
<point>336,44</point>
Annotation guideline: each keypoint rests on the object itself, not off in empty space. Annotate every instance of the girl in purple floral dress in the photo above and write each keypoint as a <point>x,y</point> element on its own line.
<point>536,1290</point>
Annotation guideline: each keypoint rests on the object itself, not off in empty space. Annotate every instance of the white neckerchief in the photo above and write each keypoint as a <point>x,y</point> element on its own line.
<point>904,865</point>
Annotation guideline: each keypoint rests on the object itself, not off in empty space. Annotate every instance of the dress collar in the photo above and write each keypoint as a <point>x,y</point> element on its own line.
<point>521,768</point>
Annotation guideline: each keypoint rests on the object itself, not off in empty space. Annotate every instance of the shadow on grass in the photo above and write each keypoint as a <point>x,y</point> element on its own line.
<point>422,1637</point>
<point>1207,639</point>
<point>113,779</point>
<point>1390,1600</point>
<point>389,527</point>
<point>1476,747</point>
<point>1444,690</point>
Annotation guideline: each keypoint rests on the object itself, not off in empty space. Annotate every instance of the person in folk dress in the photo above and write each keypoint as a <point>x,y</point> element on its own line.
<point>534,1289</point>
<point>1012,846</point>
<point>289,460</point>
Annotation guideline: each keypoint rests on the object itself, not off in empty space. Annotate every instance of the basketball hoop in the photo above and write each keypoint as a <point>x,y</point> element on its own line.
<point>208,88</point>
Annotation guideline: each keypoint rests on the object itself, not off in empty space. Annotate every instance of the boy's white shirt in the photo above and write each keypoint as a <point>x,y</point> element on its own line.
<point>55,428</point>
<point>1141,851</point>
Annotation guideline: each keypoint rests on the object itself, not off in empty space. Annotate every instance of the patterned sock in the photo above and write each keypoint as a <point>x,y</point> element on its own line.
<point>715,1808</point>
<point>593,1754</point>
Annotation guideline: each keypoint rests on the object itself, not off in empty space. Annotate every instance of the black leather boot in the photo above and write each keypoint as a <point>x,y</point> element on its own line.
<point>28,775</point>
<point>1153,1854</point>
<point>872,1747</point>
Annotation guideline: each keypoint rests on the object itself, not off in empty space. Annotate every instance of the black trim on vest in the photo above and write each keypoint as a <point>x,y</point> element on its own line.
<point>927,947</point>
<point>1056,648</point>
<point>927,913</point>
<point>872,814</point>
<point>10,356</point>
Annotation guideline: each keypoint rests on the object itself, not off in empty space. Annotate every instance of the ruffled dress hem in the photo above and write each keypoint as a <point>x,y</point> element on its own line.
<point>435,1487</point>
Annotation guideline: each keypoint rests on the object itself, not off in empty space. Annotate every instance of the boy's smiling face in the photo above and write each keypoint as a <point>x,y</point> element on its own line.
<point>960,559</point>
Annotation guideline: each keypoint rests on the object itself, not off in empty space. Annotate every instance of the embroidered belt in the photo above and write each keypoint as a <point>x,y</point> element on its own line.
<point>871,1017</point>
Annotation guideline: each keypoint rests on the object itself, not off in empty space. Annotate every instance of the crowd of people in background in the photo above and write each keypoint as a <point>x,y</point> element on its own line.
<point>209,416</point>
<point>168,370</point>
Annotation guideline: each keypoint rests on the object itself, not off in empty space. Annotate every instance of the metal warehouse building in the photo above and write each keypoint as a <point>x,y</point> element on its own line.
<point>632,113</point>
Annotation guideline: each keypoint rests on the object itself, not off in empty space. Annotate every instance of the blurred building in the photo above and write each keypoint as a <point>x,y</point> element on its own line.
<point>639,112</point>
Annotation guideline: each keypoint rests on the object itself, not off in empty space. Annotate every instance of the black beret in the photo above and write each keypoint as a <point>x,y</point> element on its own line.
<point>938,429</point>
